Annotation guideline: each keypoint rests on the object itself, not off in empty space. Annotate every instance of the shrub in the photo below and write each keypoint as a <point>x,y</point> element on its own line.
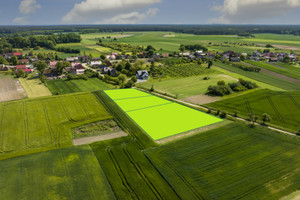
<point>223,115</point>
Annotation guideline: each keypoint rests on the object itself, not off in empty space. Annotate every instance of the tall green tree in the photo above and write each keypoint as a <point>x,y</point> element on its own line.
<point>41,66</point>
<point>14,60</point>
<point>3,60</point>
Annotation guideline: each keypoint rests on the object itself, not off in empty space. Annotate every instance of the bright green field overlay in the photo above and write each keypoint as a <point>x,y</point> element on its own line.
<point>158,117</point>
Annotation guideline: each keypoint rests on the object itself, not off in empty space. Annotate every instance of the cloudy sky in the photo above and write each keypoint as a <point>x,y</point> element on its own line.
<point>39,12</point>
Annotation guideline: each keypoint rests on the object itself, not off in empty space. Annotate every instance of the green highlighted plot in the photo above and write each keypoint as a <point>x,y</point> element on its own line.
<point>158,117</point>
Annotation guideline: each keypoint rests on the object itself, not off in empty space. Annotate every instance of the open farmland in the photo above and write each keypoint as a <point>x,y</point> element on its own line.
<point>34,88</point>
<point>35,125</point>
<point>231,162</point>
<point>158,117</point>
<point>72,173</point>
<point>11,90</point>
<point>66,86</point>
<point>283,107</point>
<point>263,76</point>
<point>129,172</point>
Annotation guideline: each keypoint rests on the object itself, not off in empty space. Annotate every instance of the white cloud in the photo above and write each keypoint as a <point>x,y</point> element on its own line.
<point>129,18</point>
<point>95,9</point>
<point>28,6</point>
<point>21,20</point>
<point>247,11</point>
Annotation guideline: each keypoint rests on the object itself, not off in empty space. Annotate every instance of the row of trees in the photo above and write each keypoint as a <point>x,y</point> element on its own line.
<point>195,47</point>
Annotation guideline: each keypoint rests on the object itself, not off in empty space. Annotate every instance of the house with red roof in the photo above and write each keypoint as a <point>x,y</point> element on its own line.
<point>18,67</point>
<point>18,54</point>
<point>28,71</point>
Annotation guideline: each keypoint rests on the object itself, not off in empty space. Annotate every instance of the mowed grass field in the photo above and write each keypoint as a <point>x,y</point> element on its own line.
<point>40,124</point>
<point>283,107</point>
<point>72,173</point>
<point>158,117</point>
<point>34,88</point>
<point>65,86</point>
<point>231,162</point>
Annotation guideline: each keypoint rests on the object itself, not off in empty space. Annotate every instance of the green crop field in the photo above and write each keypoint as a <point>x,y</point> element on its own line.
<point>284,69</point>
<point>65,86</point>
<point>262,77</point>
<point>158,117</point>
<point>231,162</point>
<point>41,124</point>
<point>34,88</point>
<point>129,172</point>
<point>72,173</point>
<point>283,107</point>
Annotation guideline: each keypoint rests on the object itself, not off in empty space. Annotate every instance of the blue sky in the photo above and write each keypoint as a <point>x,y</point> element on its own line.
<point>45,12</point>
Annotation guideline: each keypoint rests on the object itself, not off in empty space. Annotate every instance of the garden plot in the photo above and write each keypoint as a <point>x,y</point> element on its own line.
<point>158,117</point>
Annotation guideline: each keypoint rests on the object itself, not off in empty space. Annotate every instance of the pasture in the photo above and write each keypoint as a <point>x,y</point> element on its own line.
<point>72,173</point>
<point>34,88</point>
<point>158,117</point>
<point>283,107</point>
<point>66,86</point>
<point>231,162</point>
<point>41,124</point>
<point>10,89</point>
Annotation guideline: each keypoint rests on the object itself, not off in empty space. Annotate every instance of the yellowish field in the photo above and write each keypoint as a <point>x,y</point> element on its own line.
<point>34,88</point>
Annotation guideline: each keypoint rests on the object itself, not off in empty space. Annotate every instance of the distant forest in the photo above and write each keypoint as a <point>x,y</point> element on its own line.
<point>191,29</point>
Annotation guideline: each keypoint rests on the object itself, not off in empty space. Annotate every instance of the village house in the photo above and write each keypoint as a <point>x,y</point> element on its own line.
<point>142,75</point>
<point>95,63</point>
<point>52,64</point>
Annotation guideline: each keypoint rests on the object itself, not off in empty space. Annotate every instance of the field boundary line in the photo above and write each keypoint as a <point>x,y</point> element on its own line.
<point>141,172</point>
<point>248,105</point>
<point>149,107</point>
<point>294,101</point>
<point>130,97</point>
<point>83,108</point>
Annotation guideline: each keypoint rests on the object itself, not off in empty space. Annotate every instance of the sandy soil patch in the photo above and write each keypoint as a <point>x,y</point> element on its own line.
<point>89,140</point>
<point>168,35</point>
<point>201,99</point>
<point>121,36</point>
<point>11,90</point>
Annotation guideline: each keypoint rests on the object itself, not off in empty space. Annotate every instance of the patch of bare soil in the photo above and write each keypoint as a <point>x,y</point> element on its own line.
<point>287,47</point>
<point>283,77</point>
<point>89,140</point>
<point>201,99</point>
<point>11,90</point>
<point>122,36</point>
<point>168,35</point>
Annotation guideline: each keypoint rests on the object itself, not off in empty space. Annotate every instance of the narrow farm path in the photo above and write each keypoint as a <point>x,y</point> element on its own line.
<point>89,140</point>
<point>206,109</point>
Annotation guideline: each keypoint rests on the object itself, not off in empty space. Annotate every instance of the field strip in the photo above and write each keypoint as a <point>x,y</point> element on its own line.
<point>141,173</point>
<point>48,122</point>
<point>120,173</point>
<point>2,127</point>
<point>149,107</point>
<point>89,140</point>
<point>27,142</point>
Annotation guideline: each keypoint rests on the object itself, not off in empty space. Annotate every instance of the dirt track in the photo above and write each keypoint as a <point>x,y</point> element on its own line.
<point>11,90</point>
<point>89,140</point>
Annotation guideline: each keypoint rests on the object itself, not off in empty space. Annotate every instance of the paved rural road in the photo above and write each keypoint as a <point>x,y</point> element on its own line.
<point>206,109</point>
<point>87,67</point>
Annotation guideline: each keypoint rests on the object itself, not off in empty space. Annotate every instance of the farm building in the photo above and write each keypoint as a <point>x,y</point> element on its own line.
<point>142,75</point>
<point>95,63</point>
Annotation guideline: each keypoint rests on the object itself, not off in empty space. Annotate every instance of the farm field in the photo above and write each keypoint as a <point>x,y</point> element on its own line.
<point>34,88</point>
<point>10,89</point>
<point>250,163</point>
<point>283,107</point>
<point>129,172</point>
<point>65,86</point>
<point>158,117</point>
<point>72,173</point>
<point>41,124</point>
<point>263,76</point>
<point>283,69</point>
